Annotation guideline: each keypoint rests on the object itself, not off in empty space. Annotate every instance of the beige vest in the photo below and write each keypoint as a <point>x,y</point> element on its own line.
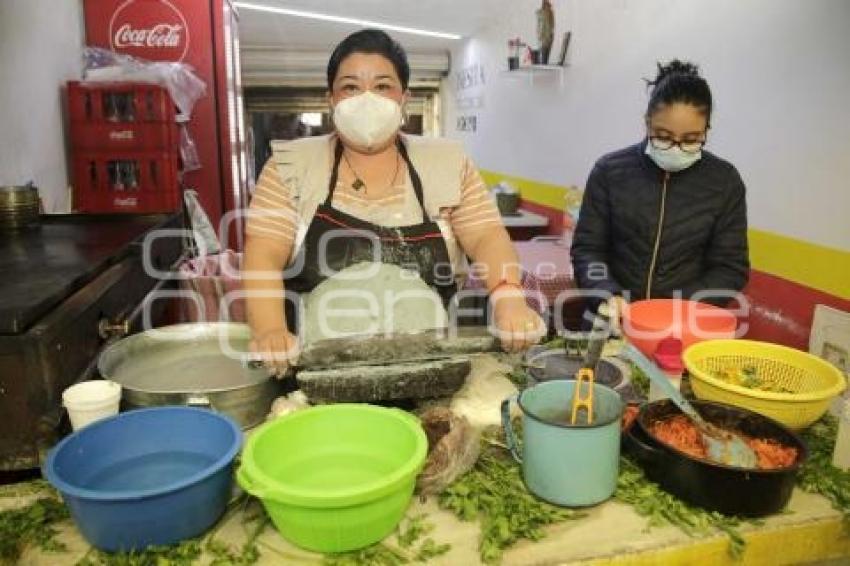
<point>304,166</point>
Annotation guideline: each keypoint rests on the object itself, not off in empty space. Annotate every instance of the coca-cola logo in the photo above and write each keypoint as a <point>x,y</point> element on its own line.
<point>150,29</point>
<point>162,35</point>
<point>122,135</point>
<point>126,202</point>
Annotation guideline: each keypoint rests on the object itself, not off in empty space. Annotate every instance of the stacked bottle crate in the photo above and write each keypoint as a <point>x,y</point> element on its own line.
<point>125,147</point>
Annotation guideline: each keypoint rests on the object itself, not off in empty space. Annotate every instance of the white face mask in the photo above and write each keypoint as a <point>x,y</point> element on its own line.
<point>672,159</point>
<point>367,120</point>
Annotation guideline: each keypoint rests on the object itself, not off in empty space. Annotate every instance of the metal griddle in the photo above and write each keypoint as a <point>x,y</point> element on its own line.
<point>64,282</point>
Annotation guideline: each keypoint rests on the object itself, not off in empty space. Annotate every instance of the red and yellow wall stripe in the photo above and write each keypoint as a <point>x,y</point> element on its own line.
<point>819,267</point>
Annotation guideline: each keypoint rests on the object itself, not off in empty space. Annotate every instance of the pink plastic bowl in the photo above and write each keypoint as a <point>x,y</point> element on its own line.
<point>646,323</point>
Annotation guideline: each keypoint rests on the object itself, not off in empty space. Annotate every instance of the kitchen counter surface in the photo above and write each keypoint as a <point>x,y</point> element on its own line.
<point>611,533</point>
<point>525,219</point>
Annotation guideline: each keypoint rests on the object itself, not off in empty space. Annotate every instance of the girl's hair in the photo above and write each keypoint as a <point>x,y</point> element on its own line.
<point>679,81</point>
<point>370,41</point>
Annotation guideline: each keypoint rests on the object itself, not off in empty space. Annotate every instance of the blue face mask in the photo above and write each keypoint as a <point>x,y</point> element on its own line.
<point>672,159</point>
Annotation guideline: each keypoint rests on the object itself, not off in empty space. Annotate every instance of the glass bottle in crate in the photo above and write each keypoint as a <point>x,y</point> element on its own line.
<point>115,174</point>
<point>110,107</point>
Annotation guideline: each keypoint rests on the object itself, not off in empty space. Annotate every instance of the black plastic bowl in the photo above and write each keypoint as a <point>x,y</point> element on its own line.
<point>716,487</point>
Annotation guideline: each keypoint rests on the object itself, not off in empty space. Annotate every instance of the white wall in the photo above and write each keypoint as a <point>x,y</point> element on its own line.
<point>40,43</point>
<point>779,71</point>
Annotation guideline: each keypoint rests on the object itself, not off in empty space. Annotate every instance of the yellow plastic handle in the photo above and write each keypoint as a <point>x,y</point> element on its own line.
<point>583,400</point>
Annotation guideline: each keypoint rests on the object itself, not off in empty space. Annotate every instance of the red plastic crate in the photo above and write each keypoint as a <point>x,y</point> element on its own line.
<point>110,117</point>
<point>126,182</point>
<point>119,102</point>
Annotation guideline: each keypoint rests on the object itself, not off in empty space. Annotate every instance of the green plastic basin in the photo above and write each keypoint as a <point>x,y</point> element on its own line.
<point>337,477</point>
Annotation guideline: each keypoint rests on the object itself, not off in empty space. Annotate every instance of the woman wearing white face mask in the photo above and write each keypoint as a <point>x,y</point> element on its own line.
<point>420,197</point>
<point>664,217</point>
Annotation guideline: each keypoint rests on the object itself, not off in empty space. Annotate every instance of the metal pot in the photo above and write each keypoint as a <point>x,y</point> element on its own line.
<point>18,207</point>
<point>563,463</point>
<point>196,364</point>
<point>548,364</point>
<point>713,486</point>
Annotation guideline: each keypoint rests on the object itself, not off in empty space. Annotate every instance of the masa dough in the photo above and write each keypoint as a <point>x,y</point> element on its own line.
<point>371,298</point>
<point>480,399</point>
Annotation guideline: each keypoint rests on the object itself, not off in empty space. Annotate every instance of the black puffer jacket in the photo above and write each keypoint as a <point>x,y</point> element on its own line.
<point>703,232</point>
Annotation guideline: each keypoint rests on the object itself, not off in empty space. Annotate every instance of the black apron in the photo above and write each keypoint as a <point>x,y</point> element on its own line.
<point>349,240</point>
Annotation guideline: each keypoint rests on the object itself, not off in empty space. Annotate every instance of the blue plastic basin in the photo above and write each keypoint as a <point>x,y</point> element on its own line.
<point>148,476</point>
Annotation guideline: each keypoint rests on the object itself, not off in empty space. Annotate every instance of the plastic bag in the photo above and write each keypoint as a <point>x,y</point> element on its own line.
<point>287,404</point>
<point>206,242</point>
<point>184,86</point>
<point>188,150</point>
<point>453,448</point>
<point>212,289</point>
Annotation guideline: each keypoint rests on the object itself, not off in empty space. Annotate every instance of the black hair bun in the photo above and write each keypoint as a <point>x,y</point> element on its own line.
<point>679,81</point>
<point>675,67</point>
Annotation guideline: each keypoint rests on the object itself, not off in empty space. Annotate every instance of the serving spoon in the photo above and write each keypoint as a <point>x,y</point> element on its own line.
<point>723,446</point>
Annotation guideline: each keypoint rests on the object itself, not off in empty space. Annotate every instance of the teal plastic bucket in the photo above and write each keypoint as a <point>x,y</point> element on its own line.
<point>565,464</point>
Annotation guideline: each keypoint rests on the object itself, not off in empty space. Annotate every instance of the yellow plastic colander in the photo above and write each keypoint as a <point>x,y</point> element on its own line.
<point>812,382</point>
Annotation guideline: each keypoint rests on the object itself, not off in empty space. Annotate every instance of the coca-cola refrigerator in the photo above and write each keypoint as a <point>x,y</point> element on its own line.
<point>204,34</point>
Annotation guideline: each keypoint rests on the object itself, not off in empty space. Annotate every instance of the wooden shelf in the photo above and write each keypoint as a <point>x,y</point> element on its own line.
<point>531,73</point>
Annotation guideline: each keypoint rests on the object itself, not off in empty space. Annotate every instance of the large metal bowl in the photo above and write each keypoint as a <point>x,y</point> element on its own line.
<point>195,364</point>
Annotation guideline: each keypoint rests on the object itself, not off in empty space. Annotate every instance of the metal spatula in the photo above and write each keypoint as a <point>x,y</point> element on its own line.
<point>722,445</point>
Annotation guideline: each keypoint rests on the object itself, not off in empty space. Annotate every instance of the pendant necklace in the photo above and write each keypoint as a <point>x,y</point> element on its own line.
<point>358,183</point>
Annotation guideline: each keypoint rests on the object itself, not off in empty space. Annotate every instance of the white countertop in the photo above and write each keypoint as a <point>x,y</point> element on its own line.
<point>611,533</point>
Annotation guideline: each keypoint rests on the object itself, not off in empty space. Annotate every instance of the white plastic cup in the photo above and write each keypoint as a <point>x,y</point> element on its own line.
<point>91,401</point>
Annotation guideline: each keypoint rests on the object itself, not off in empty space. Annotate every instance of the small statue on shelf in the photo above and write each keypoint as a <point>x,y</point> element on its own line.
<point>545,30</point>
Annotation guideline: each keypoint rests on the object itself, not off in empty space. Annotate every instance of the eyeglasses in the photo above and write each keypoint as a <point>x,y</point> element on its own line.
<point>663,142</point>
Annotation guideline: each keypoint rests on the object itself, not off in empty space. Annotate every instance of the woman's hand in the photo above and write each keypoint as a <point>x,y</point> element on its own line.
<point>518,326</point>
<point>263,264</point>
<point>614,308</point>
<point>278,349</point>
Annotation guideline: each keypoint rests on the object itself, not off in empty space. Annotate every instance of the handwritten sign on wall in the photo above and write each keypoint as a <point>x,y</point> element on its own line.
<point>469,82</point>
<point>467,123</point>
<point>470,77</point>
